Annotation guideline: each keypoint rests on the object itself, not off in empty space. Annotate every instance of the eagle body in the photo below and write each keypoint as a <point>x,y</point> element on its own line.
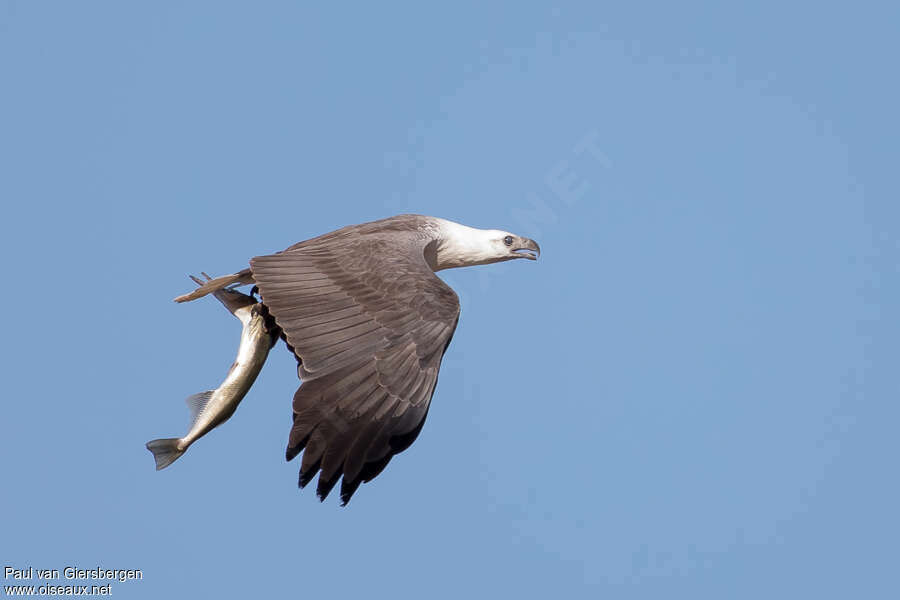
<point>368,321</point>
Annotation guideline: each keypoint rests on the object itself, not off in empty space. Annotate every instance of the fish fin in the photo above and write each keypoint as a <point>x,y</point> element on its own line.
<point>165,451</point>
<point>197,404</point>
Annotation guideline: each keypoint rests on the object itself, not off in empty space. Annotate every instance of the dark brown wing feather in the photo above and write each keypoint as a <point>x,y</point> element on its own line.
<point>369,322</point>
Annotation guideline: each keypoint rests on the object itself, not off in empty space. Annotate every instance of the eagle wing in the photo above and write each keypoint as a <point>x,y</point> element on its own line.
<point>369,323</point>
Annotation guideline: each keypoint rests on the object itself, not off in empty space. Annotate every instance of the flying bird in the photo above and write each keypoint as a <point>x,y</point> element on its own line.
<point>368,321</point>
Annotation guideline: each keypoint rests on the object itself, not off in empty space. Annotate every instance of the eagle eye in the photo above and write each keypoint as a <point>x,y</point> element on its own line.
<point>508,240</point>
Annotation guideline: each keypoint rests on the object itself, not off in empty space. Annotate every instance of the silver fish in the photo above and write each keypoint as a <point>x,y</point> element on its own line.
<point>212,408</point>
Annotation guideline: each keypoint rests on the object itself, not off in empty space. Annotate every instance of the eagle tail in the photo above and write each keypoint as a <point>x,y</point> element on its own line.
<point>240,278</point>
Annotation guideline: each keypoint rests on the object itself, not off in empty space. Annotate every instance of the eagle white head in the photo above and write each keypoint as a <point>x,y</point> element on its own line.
<point>462,246</point>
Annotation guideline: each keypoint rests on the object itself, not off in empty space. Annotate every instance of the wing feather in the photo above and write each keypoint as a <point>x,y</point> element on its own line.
<point>369,322</point>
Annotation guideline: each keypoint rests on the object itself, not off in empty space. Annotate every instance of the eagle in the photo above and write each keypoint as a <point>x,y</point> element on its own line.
<point>368,321</point>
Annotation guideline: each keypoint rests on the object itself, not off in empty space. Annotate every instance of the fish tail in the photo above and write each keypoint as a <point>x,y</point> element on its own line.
<point>165,451</point>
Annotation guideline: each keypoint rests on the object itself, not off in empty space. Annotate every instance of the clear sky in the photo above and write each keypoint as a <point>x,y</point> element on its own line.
<point>693,394</point>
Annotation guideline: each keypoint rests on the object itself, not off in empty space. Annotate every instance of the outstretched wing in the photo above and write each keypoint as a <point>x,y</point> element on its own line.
<point>369,322</point>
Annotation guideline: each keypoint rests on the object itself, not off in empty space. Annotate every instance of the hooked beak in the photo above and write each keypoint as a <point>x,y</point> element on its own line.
<point>526,248</point>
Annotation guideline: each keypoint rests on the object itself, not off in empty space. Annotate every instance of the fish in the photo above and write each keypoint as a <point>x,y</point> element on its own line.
<point>211,408</point>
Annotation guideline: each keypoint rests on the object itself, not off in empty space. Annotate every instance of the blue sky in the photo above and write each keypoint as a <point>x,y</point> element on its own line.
<point>692,394</point>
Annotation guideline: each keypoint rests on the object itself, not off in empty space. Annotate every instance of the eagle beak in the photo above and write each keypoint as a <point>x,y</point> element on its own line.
<point>527,249</point>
